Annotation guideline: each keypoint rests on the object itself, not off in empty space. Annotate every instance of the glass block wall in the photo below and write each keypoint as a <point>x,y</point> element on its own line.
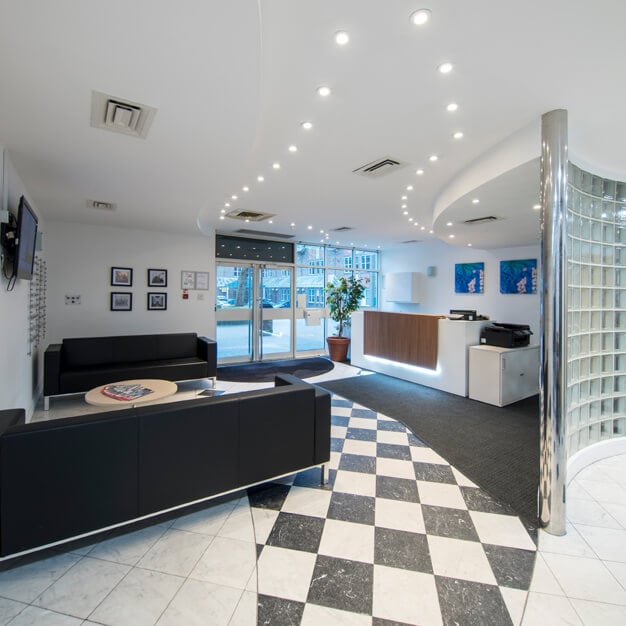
<point>596,372</point>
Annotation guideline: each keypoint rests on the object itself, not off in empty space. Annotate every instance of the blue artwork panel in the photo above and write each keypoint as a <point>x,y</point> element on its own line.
<point>518,276</point>
<point>469,278</point>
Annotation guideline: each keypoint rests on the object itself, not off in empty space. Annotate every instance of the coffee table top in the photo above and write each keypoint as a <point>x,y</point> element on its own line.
<point>160,389</point>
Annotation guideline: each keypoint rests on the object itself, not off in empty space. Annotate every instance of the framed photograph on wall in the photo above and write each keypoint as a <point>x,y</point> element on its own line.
<point>157,278</point>
<point>202,280</point>
<point>157,301</point>
<point>121,301</point>
<point>518,276</point>
<point>469,278</point>
<point>121,277</point>
<point>187,280</point>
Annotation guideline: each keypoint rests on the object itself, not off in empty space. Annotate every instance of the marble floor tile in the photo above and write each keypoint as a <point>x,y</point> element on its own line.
<point>360,422</point>
<point>347,540</point>
<point>238,525</point>
<point>543,580</point>
<point>268,496</point>
<point>455,558</point>
<point>129,547</point>
<point>426,455</point>
<point>407,597</point>
<point>585,579</point>
<point>176,552</point>
<point>393,451</point>
<point>389,436</point>
<point>542,609</point>
<point>599,614</point>
<point>358,463</point>
<point>402,550</point>
<point>515,600</point>
<point>577,491</point>
<point>154,591</point>
<point>246,612</point>
<point>263,522</point>
<point>207,521</point>
<point>618,570</point>
<point>198,603</point>
<point>461,479</point>
<point>571,543</point>
<point>438,494</point>
<point>395,467</point>
<point>27,582</point>
<point>590,513</point>
<point>352,508</point>
<point>285,573</point>
<point>502,530</point>
<point>512,567</point>
<point>83,587</point>
<point>357,446</point>
<point>478,500</point>
<point>315,615</point>
<point>35,616</point>
<point>396,489</point>
<point>306,501</point>
<point>607,543</point>
<point>434,472</point>
<point>226,562</point>
<point>616,511</point>
<point>399,515</point>
<point>338,431</point>
<point>355,482</point>
<point>273,611</point>
<point>605,490</point>
<point>9,609</point>
<point>446,522</point>
<point>296,532</point>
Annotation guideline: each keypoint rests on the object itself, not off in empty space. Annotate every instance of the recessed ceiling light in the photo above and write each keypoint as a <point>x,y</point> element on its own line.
<point>449,224</point>
<point>223,211</point>
<point>430,232</point>
<point>310,227</point>
<point>451,236</point>
<point>246,220</point>
<point>341,37</point>
<point>405,212</point>
<point>403,206</point>
<point>260,178</point>
<point>475,201</point>
<point>270,221</point>
<point>420,17</point>
<point>276,166</point>
<point>405,198</point>
<point>419,172</point>
<point>409,187</point>
<point>222,217</point>
<point>293,148</point>
<point>307,125</point>
<point>226,204</point>
<point>246,188</point>
<point>410,219</point>
<point>458,135</point>
<point>603,215</point>
<point>469,245</point>
<point>292,224</point>
<point>423,228</point>
<point>433,158</point>
<point>453,106</point>
<point>538,206</point>
<point>233,197</point>
<point>323,91</point>
<point>445,68</point>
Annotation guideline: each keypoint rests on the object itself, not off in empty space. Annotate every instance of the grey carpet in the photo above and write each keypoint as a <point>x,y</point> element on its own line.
<point>264,371</point>
<point>495,447</point>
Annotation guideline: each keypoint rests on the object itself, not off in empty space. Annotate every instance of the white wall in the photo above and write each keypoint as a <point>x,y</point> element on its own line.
<point>80,258</point>
<point>20,373</point>
<point>437,293</point>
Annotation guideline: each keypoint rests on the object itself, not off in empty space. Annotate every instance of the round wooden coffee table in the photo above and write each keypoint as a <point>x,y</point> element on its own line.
<point>160,389</point>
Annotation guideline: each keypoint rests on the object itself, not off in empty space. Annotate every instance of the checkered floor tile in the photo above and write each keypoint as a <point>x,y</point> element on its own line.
<point>398,536</point>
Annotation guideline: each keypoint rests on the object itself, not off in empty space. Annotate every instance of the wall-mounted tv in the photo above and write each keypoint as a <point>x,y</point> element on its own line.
<point>25,241</point>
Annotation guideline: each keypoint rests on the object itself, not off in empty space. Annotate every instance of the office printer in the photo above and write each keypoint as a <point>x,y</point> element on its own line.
<point>506,335</point>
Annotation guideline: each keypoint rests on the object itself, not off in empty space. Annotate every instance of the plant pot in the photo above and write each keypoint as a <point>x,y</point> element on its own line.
<point>338,348</point>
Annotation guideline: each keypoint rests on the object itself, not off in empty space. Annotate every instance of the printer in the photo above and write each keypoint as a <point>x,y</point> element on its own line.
<point>506,335</point>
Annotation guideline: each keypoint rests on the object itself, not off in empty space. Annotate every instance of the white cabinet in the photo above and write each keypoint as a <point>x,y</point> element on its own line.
<point>501,376</point>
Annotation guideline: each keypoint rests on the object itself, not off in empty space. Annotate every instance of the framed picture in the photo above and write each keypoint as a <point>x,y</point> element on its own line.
<point>157,278</point>
<point>121,301</point>
<point>187,280</point>
<point>469,278</point>
<point>121,277</point>
<point>202,280</point>
<point>518,276</point>
<point>157,301</point>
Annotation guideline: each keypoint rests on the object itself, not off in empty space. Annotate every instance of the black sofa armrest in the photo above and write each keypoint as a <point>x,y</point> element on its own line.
<point>207,351</point>
<point>322,414</point>
<point>52,369</point>
<point>11,417</point>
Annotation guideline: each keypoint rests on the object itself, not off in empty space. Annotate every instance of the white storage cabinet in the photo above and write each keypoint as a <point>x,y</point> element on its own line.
<point>501,376</point>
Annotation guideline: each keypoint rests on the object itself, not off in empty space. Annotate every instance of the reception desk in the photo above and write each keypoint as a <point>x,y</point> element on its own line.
<point>426,349</point>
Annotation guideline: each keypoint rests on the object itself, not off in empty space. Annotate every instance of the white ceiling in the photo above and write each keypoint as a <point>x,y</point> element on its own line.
<point>232,81</point>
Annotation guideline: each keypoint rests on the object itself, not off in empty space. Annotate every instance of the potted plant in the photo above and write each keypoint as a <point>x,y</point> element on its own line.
<point>343,297</point>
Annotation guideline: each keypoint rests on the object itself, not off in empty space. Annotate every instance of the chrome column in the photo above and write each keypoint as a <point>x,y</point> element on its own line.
<point>553,305</point>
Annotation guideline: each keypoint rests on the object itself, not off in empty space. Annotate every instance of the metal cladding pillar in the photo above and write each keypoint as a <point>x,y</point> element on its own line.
<point>553,304</point>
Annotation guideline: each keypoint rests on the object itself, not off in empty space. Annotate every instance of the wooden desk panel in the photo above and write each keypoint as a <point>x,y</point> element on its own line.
<point>404,337</point>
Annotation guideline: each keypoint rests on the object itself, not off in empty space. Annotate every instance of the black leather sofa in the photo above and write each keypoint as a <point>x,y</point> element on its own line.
<point>77,365</point>
<point>63,478</point>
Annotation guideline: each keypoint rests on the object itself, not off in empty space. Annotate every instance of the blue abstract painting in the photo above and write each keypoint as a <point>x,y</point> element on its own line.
<point>469,278</point>
<point>518,276</point>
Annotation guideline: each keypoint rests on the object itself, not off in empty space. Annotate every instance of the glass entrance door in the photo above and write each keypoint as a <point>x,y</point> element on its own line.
<point>254,312</point>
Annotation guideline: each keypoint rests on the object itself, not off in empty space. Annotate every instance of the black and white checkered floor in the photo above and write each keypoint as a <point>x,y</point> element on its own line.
<point>398,536</point>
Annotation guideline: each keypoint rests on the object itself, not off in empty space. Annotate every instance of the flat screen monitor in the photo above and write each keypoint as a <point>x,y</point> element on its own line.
<point>25,241</point>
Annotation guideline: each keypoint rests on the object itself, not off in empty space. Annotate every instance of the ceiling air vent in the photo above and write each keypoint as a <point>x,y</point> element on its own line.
<point>251,216</point>
<point>482,220</point>
<point>100,204</point>
<point>261,233</point>
<point>120,116</point>
<point>412,241</point>
<point>342,229</point>
<point>379,168</point>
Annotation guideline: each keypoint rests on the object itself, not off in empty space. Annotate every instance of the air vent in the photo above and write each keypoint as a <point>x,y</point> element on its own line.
<point>482,220</point>
<point>412,241</point>
<point>262,233</point>
<point>251,216</point>
<point>101,205</point>
<point>342,229</point>
<point>380,167</point>
<point>120,116</point>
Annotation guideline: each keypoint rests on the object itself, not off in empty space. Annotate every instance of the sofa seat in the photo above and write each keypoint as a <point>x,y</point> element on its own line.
<point>85,378</point>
